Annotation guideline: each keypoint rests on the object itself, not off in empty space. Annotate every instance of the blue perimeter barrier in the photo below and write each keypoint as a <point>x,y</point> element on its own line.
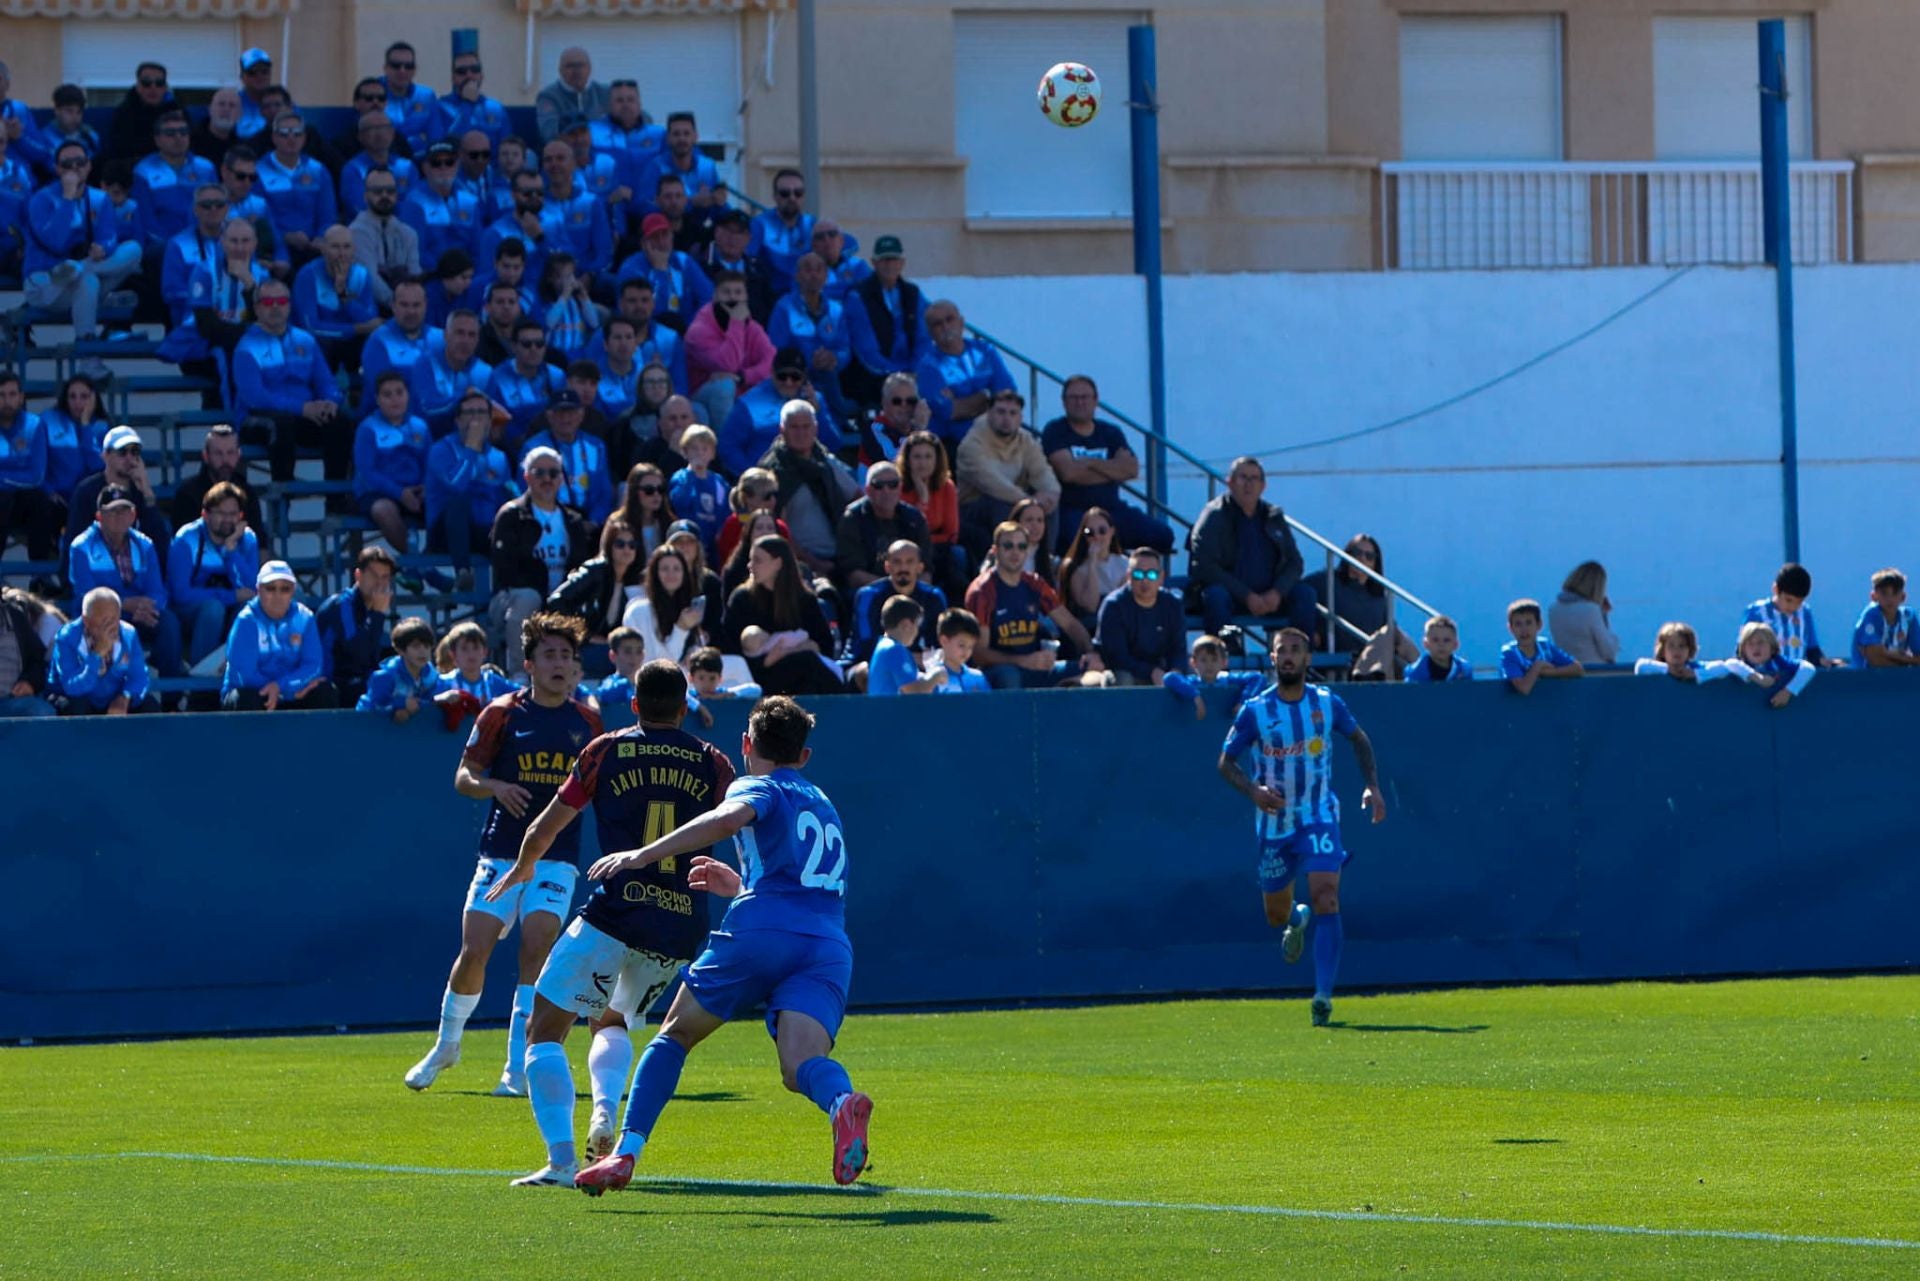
<point>197,874</point>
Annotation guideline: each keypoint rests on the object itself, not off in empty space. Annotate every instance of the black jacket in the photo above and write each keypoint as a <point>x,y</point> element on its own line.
<point>516,546</point>
<point>187,500</point>
<point>871,296</point>
<point>33,654</point>
<point>1214,545</point>
<point>148,518</point>
<point>862,540</point>
<point>586,593</point>
<point>130,133</point>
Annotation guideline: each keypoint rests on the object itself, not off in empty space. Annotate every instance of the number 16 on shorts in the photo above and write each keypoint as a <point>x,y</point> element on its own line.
<point>1314,847</point>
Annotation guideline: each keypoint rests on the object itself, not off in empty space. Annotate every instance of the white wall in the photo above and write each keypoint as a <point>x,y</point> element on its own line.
<point>1651,446</point>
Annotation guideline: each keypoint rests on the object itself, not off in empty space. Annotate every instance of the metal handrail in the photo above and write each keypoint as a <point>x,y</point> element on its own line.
<point>1335,555</point>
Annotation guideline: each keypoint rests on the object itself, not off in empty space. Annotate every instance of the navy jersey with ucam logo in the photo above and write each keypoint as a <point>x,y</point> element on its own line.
<point>643,783</point>
<point>516,740</point>
<point>1295,756</point>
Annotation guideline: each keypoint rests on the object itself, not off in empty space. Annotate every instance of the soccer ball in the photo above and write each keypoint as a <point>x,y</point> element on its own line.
<point>1069,94</point>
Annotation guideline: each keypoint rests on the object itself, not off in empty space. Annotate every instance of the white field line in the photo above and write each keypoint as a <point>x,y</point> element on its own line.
<point>881,1191</point>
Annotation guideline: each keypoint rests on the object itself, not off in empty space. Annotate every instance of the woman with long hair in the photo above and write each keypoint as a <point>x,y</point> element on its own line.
<point>645,509</point>
<point>684,537</point>
<point>599,590</point>
<point>76,429</point>
<point>775,623</point>
<point>1032,519</point>
<point>1579,617</point>
<point>1093,568</point>
<point>666,612</point>
<point>757,525</point>
<point>1362,600</point>
<point>926,481</point>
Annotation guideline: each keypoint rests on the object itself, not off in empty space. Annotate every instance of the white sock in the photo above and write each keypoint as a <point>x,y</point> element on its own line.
<point>550,1090</point>
<point>608,1063</point>
<point>455,1010</point>
<point>517,1027</point>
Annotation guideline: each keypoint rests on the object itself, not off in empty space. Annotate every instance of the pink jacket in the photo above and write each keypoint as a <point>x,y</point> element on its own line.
<point>741,348</point>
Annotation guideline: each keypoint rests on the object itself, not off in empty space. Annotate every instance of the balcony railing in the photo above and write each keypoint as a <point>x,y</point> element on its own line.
<point>1468,216</point>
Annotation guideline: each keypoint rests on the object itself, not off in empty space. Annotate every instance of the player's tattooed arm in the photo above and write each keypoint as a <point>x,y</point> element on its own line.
<point>1370,771</point>
<point>1263,797</point>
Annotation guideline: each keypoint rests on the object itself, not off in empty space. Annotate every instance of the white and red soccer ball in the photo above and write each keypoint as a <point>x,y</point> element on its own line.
<point>1070,94</point>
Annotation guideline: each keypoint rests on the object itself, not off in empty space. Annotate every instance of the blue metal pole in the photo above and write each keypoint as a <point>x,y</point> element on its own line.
<point>1143,110</point>
<point>1777,236</point>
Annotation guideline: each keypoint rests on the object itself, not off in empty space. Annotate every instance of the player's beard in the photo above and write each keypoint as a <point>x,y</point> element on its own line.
<point>1290,680</point>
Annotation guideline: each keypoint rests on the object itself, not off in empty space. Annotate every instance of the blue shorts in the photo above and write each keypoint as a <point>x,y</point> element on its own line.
<point>1314,847</point>
<point>800,972</point>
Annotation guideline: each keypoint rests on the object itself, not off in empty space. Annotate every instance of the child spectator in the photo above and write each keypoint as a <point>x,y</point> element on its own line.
<point>959,632</point>
<point>1142,631</point>
<point>706,669</point>
<point>468,682</point>
<point>1789,615</point>
<point>571,317</point>
<point>98,665</point>
<point>1440,658</point>
<point>1675,651</point>
<point>1887,631</point>
<point>1769,667</point>
<point>1529,655</point>
<point>1209,658</point>
<point>696,493</point>
<point>398,685</point>
<point>390,461</point>
<point>893,669</point>
<point>628,650</point>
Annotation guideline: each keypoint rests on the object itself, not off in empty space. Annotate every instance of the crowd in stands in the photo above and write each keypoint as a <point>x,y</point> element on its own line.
<point>574,363</point>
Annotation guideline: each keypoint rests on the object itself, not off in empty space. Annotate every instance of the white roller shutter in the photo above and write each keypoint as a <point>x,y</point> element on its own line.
<point>1018,164</point>
<point>682,63</point>
<point>1480,88</point>
<point>1706,76</point>
<point>102,53</point>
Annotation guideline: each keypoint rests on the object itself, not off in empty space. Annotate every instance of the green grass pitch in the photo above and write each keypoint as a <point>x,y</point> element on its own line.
<point>1449,1134</point>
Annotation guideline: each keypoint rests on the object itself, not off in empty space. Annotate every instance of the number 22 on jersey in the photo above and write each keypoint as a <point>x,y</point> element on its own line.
<point>824,841</point>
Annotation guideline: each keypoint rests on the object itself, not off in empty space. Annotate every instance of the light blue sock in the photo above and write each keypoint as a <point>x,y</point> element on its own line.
<point>517,1028</point>
<point>824,1081</point>
<point>1328,935</point>
<point>654,1082</point>
<point>550,1090</point>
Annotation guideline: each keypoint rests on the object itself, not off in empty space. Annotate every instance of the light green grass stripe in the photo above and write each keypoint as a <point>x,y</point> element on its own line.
<point>1024,1198</point>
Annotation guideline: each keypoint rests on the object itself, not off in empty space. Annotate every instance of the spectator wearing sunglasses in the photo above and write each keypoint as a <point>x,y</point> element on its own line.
<point>466,110</point>
<point>75,254</point>
<point>256,81</point>
<point>275,657</point>
<point>411,106</point>
<point>283,386</point>
<point>536,544</point>
<point>442,216</point>
<point>130,134</point>
<point>298,188</point>
<point>166,181</point>
<point>1013,607</point>
<point>780,235</point>
<point>476,176</point>
<point>377,150</point>
<point>1142,630</point>
<point>525,385</point>
<point>872,524</point>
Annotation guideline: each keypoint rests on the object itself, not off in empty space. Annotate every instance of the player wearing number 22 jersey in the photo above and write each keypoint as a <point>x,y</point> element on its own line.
<point>1290,727</point>
<point>783,943</point>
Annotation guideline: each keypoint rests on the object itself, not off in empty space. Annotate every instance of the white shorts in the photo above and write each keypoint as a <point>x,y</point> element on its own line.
<point>550,890</point>
<point>589,969</point>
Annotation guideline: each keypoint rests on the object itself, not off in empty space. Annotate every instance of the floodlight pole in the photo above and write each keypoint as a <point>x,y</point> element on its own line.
<point>1143,109</point>
<point>1777,244</point>
<point>809,107</point>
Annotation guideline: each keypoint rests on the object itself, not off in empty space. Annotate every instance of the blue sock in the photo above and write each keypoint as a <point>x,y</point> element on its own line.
<point>823,1080</point>
<point>1328,935</point>
<point>654,1082</point>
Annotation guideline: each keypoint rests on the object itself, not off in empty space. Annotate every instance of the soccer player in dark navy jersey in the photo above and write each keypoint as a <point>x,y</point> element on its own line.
<point>522,746</point>
<point>783,943</point>
<point>636,929</point>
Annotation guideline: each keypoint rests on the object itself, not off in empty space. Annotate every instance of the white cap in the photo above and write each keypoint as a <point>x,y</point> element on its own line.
<point>274,571</point>
<point>119,438</point>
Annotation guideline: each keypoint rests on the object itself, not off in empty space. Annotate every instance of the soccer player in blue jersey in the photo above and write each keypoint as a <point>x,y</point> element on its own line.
<point>522,746</point>
<point>1299,821</point>
<point>783,943</point>
<point>636,929</point>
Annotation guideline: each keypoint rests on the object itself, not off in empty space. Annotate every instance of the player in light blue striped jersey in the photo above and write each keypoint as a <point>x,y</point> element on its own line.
<point>1291,785</point>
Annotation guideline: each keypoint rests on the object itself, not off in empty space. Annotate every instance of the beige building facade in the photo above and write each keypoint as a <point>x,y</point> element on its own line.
<point>1295,134</point>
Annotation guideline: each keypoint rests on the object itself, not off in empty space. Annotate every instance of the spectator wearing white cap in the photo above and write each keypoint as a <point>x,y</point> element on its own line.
<point>256,77</point>
<point>112,553</point>
<point>536,543</point>
<point>122,467</point>
<point>99,668</point>
<point>274,653</point>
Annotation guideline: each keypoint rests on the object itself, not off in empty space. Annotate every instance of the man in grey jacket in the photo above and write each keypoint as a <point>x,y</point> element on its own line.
<point>1242,559</point>
<point>575,93</point>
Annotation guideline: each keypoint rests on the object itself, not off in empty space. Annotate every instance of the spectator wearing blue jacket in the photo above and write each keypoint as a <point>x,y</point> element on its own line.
<point>653,343</point>
<point>1440,660</point>
<point>298,188</point>
<point>275,654</point>
<point>958,375</point>
<point>16,187</point>
<point>390,461</point>
<point>280,377</point>
<point>845,268</point>
<point>211,566</point>
<point>680,286</point>
<point>585,483</point>
<point>112,553</point>
<point>333,299</point>
<point>683,159</point>
<point>781,234</point>
<point>600,174</point>
<point>219,302</point>
<point>165,183</point>
<point>412,107</point>
<point>527,384</point>
<point>98,665</point>
<point>626,134</point>
<point>886,314</point>
<point>401,343</point>
<point>443,216</point>
<point>66,222</point>
<point>452,368</point>
<point>196,247</point>
<point>375,135</point>
<point>816,326</point>
<point>76,432</point>
<point>467,481</point>
<point>356,625</point>
<point>39,145</point>
<point>538,225</point>
<point>408,681</point>
<point>1141,632</point>
<point>583,215</point>
<point>754,421</point>
<point>466,109</point>
<point>129,217</point>
<point>25,502</point>
<point>902,563</point>
<point>695,493</point>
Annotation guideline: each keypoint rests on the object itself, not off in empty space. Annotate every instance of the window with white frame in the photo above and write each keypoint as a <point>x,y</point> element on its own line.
<point>1480,88</point>
<point>1018,164</point>
<point>102,53</point>
<point>1706,98</point>
<point>682,63</point>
